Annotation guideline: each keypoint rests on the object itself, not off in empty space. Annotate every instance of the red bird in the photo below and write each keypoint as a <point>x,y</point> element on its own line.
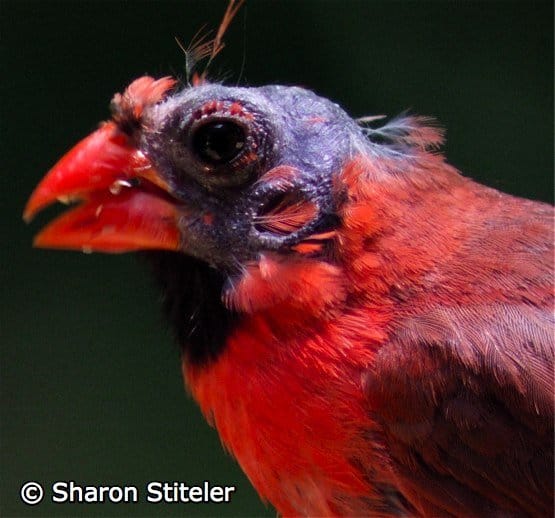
<point>370,332</point>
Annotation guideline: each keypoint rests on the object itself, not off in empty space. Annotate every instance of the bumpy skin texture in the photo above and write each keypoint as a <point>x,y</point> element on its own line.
<point>288,127</point>
<point>370,332</point>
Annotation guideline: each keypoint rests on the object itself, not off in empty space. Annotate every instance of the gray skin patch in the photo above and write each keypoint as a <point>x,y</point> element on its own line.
<point>283,126</point>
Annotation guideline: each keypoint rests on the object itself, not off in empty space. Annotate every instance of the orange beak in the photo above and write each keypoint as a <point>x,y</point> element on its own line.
<point>125,204</point>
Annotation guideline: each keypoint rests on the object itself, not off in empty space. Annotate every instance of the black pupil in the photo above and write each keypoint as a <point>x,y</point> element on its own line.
<point>219,142</point>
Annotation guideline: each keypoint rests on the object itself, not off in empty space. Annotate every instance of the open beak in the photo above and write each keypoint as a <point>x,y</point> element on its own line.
<point>124,204</point>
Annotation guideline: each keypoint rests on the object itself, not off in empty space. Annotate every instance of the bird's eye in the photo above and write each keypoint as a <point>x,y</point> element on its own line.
<point>218,142</point>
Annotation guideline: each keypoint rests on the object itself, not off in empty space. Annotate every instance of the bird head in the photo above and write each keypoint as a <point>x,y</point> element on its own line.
<point>219,173</point>
<point>259,192</point>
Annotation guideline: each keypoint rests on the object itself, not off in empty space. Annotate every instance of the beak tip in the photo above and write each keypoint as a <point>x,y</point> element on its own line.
<point>28,215</point>
<point>37,241</point>
<point>36,202</point>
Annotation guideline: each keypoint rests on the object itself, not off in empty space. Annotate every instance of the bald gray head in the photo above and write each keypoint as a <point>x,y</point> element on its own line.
<point>239,157</point>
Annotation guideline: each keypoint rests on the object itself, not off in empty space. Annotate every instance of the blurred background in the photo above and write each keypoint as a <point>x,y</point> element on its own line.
<point>90,378</point>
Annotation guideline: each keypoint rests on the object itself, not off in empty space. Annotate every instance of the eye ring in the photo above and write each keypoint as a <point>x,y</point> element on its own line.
<point>219,142</point>
<point>222,143</point>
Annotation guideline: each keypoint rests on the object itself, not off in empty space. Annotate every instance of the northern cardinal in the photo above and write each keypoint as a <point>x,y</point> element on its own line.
<point>370,332</point>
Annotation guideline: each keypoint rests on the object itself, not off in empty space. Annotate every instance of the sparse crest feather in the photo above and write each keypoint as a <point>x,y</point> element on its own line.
<point>201,47</point>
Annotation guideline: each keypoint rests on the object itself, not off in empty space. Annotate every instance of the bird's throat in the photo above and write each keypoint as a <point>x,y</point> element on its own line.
<point>192,301</point>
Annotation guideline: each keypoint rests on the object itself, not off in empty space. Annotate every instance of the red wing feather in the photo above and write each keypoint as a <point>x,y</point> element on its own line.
<point>465,396</point>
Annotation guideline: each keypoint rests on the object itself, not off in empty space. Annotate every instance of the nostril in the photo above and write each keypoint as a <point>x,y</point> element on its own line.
<point>285,213</point>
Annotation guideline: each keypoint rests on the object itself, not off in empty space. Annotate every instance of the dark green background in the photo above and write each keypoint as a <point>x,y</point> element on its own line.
<point>91,387</point>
